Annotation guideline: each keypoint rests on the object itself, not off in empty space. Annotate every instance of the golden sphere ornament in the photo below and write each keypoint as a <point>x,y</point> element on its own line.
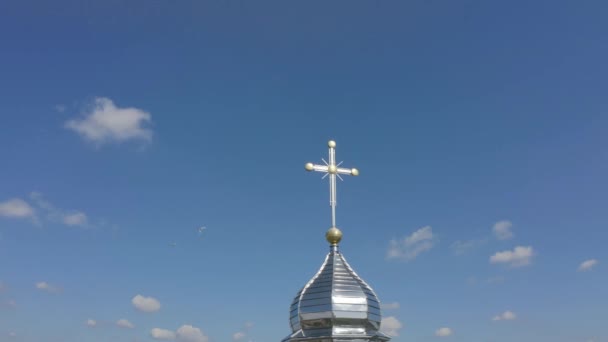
<point>333,235</point>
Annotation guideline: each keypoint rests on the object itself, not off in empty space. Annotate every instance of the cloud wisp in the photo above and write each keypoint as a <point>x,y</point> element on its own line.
<point>587,265</point>
<point>391,326</point>
<point>75,219</point>
<point>46,287</point>
<point>444,332</point>
<point>390,306</point>
<point>243,333</point>
<point>502,230</point>
<point>505,316</point>
<point>518,257</point>
<point>72,218</point>
<point>238,336</point>
<point>123,323</point>
<point>185,333</point>
<point>39,210</point>
<point>411,246</point>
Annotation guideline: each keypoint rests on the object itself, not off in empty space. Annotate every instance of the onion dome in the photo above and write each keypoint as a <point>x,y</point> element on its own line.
<point>336,305</point>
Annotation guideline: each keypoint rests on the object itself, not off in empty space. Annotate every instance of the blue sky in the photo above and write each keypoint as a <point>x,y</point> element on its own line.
<point>479,129</point>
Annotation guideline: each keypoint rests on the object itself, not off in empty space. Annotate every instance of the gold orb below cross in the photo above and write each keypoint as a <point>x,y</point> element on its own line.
<point>333,235</point>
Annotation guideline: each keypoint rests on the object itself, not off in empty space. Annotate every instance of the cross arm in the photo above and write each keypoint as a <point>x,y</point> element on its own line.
<point>318,168</point>
<point>344,171</point>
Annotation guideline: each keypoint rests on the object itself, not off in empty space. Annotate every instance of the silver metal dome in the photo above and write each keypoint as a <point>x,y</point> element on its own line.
<point>335,305</point>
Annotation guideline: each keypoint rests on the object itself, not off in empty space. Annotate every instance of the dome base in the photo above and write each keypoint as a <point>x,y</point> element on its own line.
<point>298,336</point>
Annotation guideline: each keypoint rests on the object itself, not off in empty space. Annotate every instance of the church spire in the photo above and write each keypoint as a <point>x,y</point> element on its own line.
<point>336,305</point>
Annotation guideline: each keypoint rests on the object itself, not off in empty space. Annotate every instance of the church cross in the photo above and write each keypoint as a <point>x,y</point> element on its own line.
<point>332,170</point>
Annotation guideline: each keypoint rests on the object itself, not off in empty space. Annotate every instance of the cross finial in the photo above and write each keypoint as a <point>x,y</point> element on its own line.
<point>334,235</point>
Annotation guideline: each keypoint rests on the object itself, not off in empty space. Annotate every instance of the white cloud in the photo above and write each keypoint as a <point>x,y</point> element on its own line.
<point>185,333</point>
<point>390,306</point>
<point>44,286</point>
<point>519,256</point>
<point>12,334</point>
<point>443,332</point>
<point>241,335</point>
<point>75,219</point>
<point>54,214</point>
<point>188,333</point>
<point>411,246</point>
<point>390,325</point>
<point>145,304</point>
<point>3,287</point>
<point>505,316</point>
<point>162,334</point>
<point>105,122</point>
<point>587,265</point>
<point>17,208</point>
<point>123,323</point>
<point>422,234</point>
<point>237,336</point>
<point>91,323</point>
<point>502,230</point>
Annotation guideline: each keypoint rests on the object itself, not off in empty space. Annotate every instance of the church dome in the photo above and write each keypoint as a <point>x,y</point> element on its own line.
<point>336,305</point>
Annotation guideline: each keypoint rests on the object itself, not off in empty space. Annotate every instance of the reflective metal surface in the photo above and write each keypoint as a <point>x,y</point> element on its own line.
<point>335,305</point>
